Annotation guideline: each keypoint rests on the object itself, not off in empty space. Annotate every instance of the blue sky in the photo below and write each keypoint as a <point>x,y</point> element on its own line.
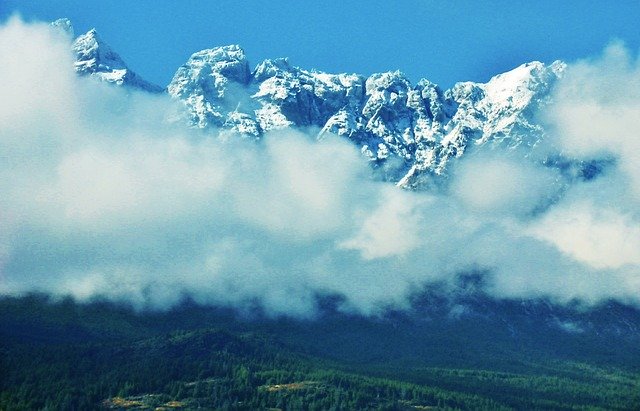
<point>444,41</point>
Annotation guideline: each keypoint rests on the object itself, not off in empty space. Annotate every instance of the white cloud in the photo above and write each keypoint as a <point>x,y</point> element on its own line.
<point>393,229</point>
<point>497,183</point>
<point>601,237</point>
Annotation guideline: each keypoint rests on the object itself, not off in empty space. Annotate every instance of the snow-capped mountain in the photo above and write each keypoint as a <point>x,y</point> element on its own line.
<point>95,58</point>
<point>408,132</point>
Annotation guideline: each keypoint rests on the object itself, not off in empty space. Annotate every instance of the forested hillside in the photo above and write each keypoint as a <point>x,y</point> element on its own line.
<point>67,356</point>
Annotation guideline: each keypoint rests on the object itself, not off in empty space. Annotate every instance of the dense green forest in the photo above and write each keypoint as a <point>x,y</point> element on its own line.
<point>66,356</point>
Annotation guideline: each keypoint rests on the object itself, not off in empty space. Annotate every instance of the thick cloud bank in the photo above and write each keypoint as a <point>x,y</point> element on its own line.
<point>101,196</point>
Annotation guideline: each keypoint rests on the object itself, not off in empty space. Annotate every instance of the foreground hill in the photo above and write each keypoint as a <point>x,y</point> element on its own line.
<point>68,356</point>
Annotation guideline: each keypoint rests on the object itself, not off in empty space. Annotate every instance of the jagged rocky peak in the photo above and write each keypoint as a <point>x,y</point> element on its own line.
<point>386,91</point>
<point>501,110</point>
<point>94,57</point>
<point>211,70</point>
<point>519,85</point>
<point>228,61</point>
<point>392,81</point>
<point>217,89</point>
<point>213,86</point>
<point>65,26</point>
<point>499,113</point>
<point>304,98</point>
<point>467,92</point>
<point>440,108</point>
<point>323,85</point>
<point>272,68</point>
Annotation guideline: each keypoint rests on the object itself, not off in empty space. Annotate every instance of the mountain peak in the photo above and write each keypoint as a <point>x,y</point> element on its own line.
<point>523,77</point>
<point>94,57</point>
<point>212,83</point>
<point>227,61</point>
<point>271,67</point>
<point>523,85</point>
<point>64,25</point>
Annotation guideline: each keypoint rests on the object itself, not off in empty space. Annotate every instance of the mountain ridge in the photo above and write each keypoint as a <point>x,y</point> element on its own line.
<point>409,133</point>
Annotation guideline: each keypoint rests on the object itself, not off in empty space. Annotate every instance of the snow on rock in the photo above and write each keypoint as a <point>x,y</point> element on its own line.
<point>95,58</point>
<point>213,86</point>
